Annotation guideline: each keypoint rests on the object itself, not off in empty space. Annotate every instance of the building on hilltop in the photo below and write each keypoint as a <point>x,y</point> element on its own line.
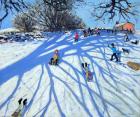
<point>128,26</point>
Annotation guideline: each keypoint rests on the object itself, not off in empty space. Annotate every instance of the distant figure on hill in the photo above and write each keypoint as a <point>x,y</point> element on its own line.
<point>85,33</point>
<point>89,31</point>
<point>76,37</point>
<point>92,31</point>
<point>97,31</point>
<point>114,50</point>
<point>126,38</point>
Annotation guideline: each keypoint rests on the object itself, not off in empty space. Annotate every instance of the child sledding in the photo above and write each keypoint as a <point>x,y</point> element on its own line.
<point>22,104</point>
<point>87,72</point>
<point>55,59</point>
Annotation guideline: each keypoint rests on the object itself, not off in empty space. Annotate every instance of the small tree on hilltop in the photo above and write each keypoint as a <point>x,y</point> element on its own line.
<point>72,21</point>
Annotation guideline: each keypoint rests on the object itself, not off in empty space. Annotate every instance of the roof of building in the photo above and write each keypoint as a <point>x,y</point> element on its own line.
<point>121,24</point>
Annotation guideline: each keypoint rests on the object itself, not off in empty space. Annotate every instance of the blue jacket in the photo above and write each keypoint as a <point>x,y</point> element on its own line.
<point>114,50</point>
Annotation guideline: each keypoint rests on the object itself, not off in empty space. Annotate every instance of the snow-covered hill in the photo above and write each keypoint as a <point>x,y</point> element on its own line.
<point>55,91</point>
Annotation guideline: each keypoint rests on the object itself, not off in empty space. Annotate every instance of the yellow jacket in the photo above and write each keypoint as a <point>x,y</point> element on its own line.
<point>55,56</point>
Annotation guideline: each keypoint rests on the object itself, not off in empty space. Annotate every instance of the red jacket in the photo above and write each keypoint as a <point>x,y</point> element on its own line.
<point>76,36</point>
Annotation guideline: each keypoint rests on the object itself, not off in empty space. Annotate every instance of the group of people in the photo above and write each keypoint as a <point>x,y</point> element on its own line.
<point>113,31</point>
<point>87,33</point>
<point>115,54</point>
<point>91,32</point>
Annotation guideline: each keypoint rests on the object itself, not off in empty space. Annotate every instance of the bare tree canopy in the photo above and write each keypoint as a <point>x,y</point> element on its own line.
<point>62,4</point>
<point>24,23</point>
<point>50,18</point>
<point>120,8</point>
<point>50,9</point>
<point>59,4</point>
<point>7,6</point>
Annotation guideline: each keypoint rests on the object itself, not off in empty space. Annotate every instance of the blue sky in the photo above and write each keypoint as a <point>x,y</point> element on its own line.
<point>83,12</point>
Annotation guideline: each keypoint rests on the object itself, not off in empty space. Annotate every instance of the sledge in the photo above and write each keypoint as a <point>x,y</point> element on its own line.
<point>90,74</point>
<point>51,63</point>
<point>16,114</point>
<point>55,59</point>
<point>19,110</point>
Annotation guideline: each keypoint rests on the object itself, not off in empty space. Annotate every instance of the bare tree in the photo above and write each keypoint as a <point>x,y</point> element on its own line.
<point>61,5</point>
<point>7,6</point>
<point>51,18</point>
<point>24,23</point>
<point>120,8</point>
<point>71,21</point>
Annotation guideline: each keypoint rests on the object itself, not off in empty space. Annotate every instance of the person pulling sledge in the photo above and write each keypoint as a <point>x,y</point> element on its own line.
<point>114,50</point>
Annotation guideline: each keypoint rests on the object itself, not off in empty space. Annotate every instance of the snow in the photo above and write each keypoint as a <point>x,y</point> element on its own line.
<point>54,91</point>
<point>118,25</point>
<point>8,30</point>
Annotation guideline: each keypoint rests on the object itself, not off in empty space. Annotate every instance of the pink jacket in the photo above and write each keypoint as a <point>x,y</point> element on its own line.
<point>76,36</point>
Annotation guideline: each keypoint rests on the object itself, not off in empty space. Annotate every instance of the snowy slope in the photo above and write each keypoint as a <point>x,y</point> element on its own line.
<point>55,91</point>
<point>8,30</point>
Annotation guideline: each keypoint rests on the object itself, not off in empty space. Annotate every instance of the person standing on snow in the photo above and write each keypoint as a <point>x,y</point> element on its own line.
<point>89,31</point>
<point>126,38</point>
<point>76,36</point>
<point>85,33</point>
<point>114,50</point>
